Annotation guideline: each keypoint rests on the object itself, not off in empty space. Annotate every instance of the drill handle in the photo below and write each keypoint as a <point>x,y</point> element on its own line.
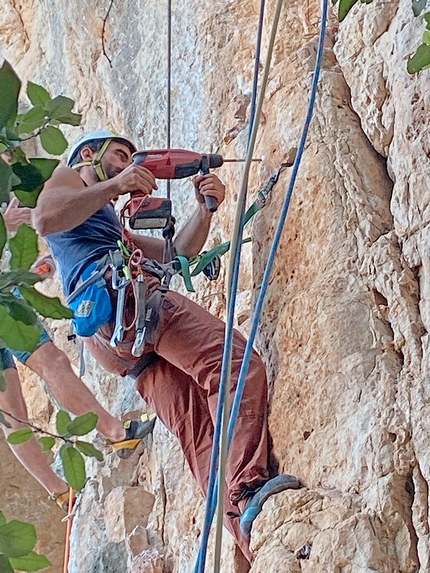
<point>211,202</point>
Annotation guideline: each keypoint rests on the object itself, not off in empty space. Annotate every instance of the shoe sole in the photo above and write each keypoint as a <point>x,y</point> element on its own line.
<point>125,448</point>
<point>272,487</point>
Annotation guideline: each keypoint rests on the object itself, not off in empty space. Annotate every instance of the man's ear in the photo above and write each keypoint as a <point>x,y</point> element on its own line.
<point>87,154</point>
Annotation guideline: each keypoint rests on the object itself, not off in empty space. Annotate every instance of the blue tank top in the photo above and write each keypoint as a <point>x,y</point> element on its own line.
<point>74,250</point>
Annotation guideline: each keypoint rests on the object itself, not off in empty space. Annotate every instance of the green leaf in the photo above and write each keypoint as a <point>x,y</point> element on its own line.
<point>5,566</point>
<point>17,538</point>
<point>10,84</point>
<point>18,155</point>
<point>63,420</point>
<point>6,183</point>
<point>70,119</point>
<point>2,518</point>
<point>28,198</point>
<point>53,141</point>
<point>45,167</point>
<point>73,466</point>
<point>426,37</point>
<point>47,443</point>
<point>344,7</point>
<point>418,6</point>
<point>16,334</point>
<point>24,248</point>
<point>17,278</point>
<point>31,178</point>
<point>89,450</point>
<point>37,94</point>
<point>31,562</point>
<point>45,305</point>
<point>3,234</point>
<point>420,60</point>
<point>59,106</point>
<point>18,308</point>
<point>20,436</point>
<point>10,134</point>
<point>83,424</point>
<point>427,19</point>
<point>33,119</point>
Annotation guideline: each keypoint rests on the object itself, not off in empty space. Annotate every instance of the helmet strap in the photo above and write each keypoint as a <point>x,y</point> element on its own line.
<point>96,162</point>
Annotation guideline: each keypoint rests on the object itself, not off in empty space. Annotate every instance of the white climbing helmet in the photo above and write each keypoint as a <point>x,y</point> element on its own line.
<point>99,135</point>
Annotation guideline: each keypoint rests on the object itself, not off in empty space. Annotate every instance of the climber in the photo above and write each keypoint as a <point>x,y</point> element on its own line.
<point>179,373</point>
<point>53,366</point>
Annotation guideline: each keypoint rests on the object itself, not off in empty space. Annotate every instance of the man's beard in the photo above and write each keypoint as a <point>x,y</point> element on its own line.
<point>111,171</point>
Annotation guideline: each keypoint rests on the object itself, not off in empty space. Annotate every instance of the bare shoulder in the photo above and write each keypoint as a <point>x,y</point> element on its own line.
<point>64,177</point>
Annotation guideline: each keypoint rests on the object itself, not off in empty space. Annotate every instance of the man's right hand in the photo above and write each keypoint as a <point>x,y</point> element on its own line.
<point>135,178</point>
<point>14,216</point>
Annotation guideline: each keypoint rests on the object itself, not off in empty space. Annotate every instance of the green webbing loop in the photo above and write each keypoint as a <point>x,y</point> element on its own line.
<point>185,272</point>
<point>203,260</point>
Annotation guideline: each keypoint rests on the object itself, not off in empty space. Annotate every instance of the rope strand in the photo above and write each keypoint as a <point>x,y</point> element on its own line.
<point>275,244</point>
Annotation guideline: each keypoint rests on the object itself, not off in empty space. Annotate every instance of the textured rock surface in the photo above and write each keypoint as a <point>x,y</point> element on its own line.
<point>22,498</point>
<point>344,330</point>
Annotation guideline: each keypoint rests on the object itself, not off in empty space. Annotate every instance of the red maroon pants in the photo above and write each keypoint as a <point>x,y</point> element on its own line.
<point>182,388</point>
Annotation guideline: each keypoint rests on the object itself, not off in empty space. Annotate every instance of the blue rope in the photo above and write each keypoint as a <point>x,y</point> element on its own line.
<point>279,229</point>
<point>258,307</point>
<point>212,492</point>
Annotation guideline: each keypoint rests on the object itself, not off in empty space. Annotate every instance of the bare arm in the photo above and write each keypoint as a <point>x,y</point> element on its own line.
<point>191,238</point>
<point>65,202</point>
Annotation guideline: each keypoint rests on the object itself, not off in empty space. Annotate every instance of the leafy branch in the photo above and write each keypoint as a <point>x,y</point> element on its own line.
<point>67,430</point>
<point>17,541</point>
<point>19,299</point>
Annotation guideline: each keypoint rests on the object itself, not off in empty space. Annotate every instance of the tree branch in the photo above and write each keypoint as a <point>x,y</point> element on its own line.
<point>35,428</point>
<point>103,32</point>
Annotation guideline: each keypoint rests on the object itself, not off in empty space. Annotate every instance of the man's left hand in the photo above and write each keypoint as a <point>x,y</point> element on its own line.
<point>209,184</point>
<point>14,215</point>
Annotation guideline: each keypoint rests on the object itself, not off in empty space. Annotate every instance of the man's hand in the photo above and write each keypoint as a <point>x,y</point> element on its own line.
<point>45,267</point>
<point>135,178</point>
<point>14,216</point>
<point>209,184</point>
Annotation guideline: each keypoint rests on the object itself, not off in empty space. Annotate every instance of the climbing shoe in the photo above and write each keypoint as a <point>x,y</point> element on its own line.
<point>62,500</point>
<point>135,430</point>
<point>255,503</point>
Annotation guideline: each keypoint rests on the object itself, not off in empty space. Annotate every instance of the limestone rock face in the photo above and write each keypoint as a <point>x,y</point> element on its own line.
<point>343,331</point>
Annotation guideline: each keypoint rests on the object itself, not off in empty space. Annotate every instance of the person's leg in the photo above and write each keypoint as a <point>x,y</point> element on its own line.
<point>30,453</point>
<point>53,366</point>
<point>193,340</point>
<point>181,405</point>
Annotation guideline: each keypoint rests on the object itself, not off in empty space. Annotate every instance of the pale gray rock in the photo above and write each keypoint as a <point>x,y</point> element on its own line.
<point>344,329</point>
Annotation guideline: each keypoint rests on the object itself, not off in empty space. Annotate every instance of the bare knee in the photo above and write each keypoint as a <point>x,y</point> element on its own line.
<point>48,361</point>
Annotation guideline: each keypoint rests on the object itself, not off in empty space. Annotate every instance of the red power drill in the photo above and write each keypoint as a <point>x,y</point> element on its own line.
<point>146,212</point>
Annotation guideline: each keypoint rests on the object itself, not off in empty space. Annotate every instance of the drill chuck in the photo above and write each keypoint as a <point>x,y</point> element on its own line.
<point>215,160</point>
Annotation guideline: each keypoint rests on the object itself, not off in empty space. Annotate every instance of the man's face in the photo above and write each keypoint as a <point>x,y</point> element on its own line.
<point>115,159</point>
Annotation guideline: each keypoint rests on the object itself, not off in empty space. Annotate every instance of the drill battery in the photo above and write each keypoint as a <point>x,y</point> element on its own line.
<point>146,212</point>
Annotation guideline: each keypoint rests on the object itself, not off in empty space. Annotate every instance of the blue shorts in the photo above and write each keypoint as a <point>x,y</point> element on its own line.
<point>7,353</point>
